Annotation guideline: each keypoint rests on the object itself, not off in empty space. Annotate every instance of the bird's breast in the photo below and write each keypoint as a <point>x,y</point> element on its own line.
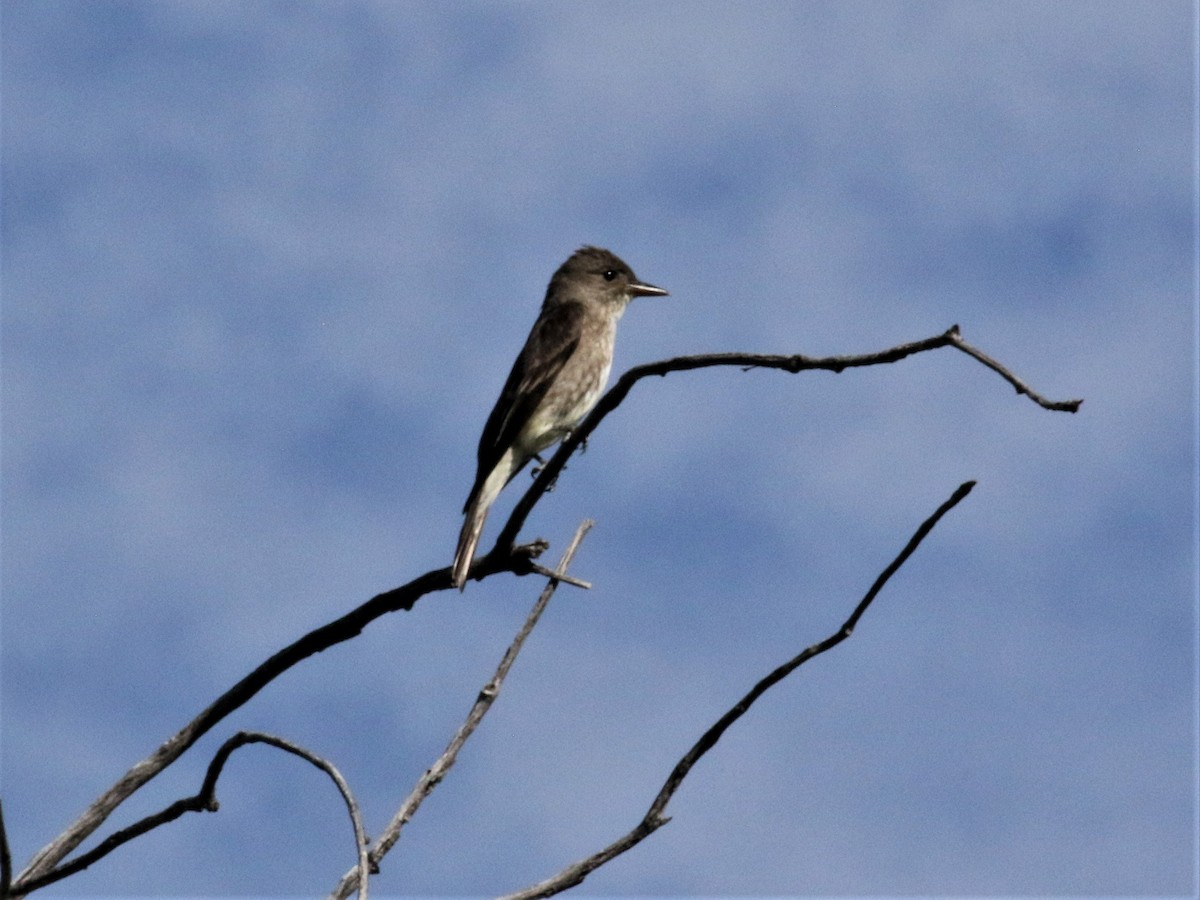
<point>574,392</point>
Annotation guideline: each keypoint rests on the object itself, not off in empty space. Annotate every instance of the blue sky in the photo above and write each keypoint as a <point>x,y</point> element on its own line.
<point>265,267</point>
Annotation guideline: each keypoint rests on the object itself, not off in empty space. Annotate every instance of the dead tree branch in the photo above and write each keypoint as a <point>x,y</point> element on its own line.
<point>315,641</point>
<point>205,800</point>
<point>791,364</point>
<point>655,818</point>
<point>505,556</point>
<point>487,696</point>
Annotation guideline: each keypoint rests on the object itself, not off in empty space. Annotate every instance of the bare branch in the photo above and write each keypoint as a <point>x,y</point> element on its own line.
<point>363,865</point>
<point>205,800</point>
<point>1021,388</point>
<point>505,556</point>
<point>483,703</point>
<point>654,819</point>
<point>560,575</point>
<point>792,364</point>
<point>315,641</point>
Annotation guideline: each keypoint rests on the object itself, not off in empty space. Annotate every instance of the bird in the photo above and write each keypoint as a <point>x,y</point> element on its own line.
<point>557,378</point>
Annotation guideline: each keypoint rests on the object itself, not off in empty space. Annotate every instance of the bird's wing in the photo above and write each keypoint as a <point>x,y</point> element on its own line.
<point>554,337</point>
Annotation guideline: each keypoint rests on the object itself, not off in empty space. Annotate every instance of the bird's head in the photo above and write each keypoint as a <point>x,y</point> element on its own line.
<point>595,274</point>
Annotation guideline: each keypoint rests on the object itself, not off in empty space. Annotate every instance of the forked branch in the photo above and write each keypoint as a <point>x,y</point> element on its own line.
<point>205,800</point>
<point>506,556</point>
<point>487,695</point>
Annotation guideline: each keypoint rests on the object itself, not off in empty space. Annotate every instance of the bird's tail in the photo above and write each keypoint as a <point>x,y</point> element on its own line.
<point>480,500</point>
<point>468,539</point>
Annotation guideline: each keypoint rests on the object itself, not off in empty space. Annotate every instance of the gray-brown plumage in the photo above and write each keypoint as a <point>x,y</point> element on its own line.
<point>556,380</point>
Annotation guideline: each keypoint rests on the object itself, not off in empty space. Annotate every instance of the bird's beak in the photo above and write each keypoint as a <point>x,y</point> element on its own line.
<point>638,289</point>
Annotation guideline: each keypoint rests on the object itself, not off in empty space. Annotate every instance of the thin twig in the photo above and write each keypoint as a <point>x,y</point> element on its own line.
<point>559,575</point>
<point>654,819</point>
<point>205,800</point>
<point>487,695</point>
<point>1021,387</point>
<point>363,866</point>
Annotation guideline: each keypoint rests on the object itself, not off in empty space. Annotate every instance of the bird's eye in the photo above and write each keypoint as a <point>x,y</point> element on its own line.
<point>610,274</point>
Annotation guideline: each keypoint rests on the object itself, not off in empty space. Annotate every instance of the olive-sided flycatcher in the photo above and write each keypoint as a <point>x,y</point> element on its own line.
<point>556,380</point>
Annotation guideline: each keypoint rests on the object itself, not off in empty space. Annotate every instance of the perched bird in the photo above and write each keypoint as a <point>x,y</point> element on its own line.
<point>556,380</point>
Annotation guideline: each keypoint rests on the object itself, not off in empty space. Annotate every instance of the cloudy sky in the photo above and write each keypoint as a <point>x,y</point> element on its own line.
<point>266,265</point>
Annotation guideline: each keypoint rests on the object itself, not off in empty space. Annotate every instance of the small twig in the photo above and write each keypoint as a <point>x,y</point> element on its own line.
<point>363,865</point>
<point>561,576</point>
<point>654,819</point>
<point>205,800</point>
<point>487,695</point>
<point>1021,387</point>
